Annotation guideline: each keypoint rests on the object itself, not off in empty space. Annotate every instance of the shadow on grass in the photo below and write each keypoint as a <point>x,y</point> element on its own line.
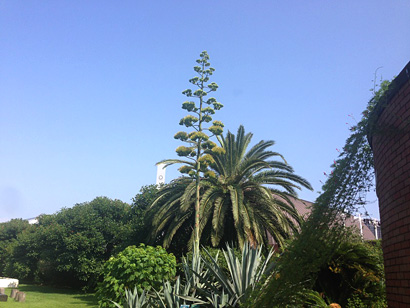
<point>88,299</point>
<point>47,289</point>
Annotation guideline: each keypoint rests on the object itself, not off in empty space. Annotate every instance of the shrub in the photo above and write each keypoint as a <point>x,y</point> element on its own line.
<point>354,272</point>
<point>143,267</point>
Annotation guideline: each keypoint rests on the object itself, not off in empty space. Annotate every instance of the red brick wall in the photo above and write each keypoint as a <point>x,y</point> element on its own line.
<point>391,147</point>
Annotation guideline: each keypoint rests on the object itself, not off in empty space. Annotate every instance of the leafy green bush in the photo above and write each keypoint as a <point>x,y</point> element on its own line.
<point>339,266</point>
<point>144,267</point>
<point>355,302</point>
<point>354,272</point>
<point>68,248</point>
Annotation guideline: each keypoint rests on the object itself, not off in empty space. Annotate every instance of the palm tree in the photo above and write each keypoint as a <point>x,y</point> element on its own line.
<point>244,196</point>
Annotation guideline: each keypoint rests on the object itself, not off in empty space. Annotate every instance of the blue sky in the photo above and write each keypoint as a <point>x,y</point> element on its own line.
<point>90,91</point>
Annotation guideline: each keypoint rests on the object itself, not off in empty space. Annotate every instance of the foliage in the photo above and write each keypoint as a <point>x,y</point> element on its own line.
<point>161,219</point>
<point>70,247</point>
<point>323,233</point>
<point>354,270</point>
<point>356,302</point>
<point>249,194</point>
<point>353,171</point>
<point>334,263</point>
<point>142,267</point>
<point>210,252</point>
<point>23,255</point>
<point>206,283</point>
<point>9,230</point>
<point>314,299</point>
<point>198,141</point>
<point>8,235</point>
<point>170,295</point>
<point>244,275</point>
<point>138,219</point>
<point>133,300</point>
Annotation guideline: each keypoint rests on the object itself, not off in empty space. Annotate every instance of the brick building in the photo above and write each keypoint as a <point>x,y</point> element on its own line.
<point>390,141</point>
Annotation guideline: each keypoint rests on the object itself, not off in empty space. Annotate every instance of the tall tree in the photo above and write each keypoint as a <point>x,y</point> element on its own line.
<point>68,248</point>
<point>196,163</point>
<point>8,234</point>
<point>246,194</point>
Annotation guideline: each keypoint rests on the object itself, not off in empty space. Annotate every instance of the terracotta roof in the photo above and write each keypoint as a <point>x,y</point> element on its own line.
<point>304,208</point>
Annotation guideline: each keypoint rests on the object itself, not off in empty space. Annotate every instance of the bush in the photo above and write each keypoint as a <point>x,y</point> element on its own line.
<point>144,267</point>
<point>354,272</point>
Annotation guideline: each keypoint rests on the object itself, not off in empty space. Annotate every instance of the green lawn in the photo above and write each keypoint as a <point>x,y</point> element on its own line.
<point>48,297</point>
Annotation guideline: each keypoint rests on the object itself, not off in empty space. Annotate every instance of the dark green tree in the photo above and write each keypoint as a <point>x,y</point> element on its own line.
<point>246,194</point>
<point>8,234</point>
<point>139,223</point>
<point>195,163</point>
<point>70,247</point>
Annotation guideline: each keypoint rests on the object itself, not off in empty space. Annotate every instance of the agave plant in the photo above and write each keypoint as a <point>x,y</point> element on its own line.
<point>233,289</point>
<point>173,296</point>
<point>133,300</point>
<point>168,297</point>
<point>221,300</point>
<point>195,273</point>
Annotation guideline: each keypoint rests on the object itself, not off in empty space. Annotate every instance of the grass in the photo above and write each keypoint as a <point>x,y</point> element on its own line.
<point>49,297</point>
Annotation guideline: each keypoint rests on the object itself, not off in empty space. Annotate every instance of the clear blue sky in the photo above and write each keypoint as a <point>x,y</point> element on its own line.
<point>90,91</point>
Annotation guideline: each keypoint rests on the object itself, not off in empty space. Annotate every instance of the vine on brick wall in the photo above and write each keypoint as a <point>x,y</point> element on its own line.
<point>323,232</point>
<point>353,172</point>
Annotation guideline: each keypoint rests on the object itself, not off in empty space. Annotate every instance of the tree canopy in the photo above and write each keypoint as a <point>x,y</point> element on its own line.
<point>246,194</point>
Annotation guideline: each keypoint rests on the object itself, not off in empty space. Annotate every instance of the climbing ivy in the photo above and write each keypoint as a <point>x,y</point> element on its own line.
<point>353,172</point>
<point>323,233</point>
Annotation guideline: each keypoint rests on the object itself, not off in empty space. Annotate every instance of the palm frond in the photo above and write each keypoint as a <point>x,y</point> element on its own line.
<point>250,195</point>
<point>218,219</point>
<point>169,162</point>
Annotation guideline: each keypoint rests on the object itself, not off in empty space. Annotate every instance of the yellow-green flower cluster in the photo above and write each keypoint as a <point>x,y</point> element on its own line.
<point>218,150</point>
<point>216,130</point>
<point>206,160</point>
<point>183,136</point>
<point>188,121</point>
<point>185,169</point>
<point>208,145</point>
<point>189,105</point>
<point>196,136</point>
<point>183,151</point>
